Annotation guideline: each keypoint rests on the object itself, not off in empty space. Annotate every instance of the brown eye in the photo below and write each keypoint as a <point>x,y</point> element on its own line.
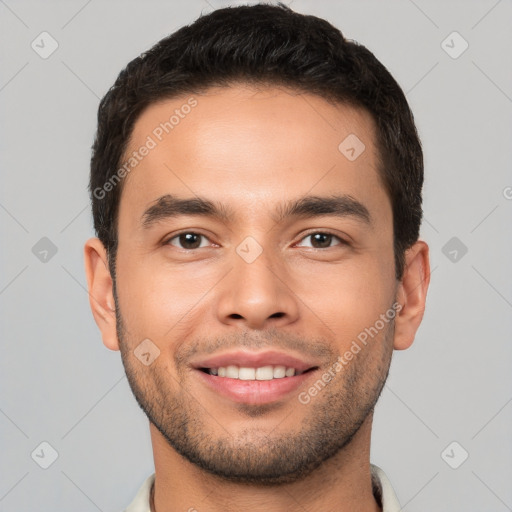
<point>322,240</point>
<point>188,240</point>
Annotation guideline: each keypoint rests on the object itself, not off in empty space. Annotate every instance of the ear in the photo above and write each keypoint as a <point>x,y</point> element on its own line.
<point>412,294</point>
<point>101,296</point>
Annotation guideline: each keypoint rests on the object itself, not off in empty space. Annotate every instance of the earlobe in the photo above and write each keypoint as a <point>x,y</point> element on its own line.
<point>412,294</point>
<point>101,297</point>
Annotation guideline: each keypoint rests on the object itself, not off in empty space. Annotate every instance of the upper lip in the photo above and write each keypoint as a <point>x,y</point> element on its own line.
<point>254,360</point>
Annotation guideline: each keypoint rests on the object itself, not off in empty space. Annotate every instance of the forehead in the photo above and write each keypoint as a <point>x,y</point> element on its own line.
<point>247,146</point>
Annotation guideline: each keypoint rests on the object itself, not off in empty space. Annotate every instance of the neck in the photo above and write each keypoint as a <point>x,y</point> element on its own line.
<point>342,483</point>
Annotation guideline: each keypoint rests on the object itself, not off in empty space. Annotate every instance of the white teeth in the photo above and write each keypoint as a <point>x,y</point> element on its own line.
<point>279,372</point>
<point>290,372</point>
<point>232,371</point>
<point>246,373</point>
<point>264,373</point>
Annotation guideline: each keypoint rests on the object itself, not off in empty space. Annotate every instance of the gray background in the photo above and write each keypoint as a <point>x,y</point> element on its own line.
<point>59,384</point>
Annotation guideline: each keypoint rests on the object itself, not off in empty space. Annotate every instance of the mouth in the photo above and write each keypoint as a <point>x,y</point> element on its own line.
<point>254,378</point>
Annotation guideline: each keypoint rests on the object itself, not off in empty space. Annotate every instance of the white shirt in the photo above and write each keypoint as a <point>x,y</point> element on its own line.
<point>382,491</point>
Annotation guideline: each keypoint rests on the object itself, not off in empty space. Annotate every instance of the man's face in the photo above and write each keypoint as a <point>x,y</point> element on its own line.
<point>256,278</point>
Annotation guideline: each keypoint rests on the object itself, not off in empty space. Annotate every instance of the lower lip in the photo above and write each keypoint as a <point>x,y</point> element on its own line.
<point>254,391</point>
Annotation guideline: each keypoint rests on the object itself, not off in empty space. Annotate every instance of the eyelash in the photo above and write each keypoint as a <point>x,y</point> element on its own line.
<point>341,240</point>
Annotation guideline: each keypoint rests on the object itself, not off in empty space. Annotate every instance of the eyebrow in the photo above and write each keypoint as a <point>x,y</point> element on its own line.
<point>343,206</point>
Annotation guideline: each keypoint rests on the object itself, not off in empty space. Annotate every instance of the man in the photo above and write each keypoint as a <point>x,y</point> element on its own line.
<point>256,191</point>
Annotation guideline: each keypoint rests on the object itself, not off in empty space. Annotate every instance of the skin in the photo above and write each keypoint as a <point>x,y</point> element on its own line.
<point>251,149</point>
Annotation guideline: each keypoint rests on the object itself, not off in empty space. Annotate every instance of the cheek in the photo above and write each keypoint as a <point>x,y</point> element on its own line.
<point>158,302</point>
<point>350,298</point>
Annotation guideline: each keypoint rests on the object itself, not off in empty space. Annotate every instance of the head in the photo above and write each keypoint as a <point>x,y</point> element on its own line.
<point>256,184</point>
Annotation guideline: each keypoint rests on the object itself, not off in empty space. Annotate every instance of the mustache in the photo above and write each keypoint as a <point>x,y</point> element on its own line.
<point>317,348</point>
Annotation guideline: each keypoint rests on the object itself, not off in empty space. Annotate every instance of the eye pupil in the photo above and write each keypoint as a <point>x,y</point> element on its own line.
<point>190,238</point>
<point>324,240</point>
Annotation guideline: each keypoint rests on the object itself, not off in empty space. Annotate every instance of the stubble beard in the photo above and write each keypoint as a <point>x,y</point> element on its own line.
<point>253,456</point>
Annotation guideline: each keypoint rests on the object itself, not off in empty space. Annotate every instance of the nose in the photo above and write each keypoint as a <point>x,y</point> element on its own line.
<point>257,295</point>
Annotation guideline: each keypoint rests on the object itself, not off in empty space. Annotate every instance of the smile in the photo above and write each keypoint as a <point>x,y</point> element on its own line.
<point>268,372</point>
